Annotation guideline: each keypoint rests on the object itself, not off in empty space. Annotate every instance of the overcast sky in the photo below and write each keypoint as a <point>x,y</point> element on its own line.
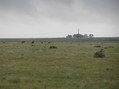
<point>58,18</point>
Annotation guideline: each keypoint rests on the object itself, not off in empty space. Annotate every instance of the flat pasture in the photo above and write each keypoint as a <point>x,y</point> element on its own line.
<point>71,65</point>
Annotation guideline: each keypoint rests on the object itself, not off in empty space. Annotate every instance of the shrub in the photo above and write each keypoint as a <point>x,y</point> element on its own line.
<point>109,47</point>
<point>3,78</point>
<point>99,54</point>
<point>3,42</point>
<point>2,87</point>
<point>41,42</point>
<point>32,45</point>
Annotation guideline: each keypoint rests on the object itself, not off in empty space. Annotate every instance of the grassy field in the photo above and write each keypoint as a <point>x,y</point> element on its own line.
<point>71,66</point>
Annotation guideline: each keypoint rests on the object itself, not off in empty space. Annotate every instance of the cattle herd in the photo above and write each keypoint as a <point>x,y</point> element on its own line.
<point>33,44</point>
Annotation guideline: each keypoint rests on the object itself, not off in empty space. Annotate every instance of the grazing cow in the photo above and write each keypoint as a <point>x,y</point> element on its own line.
<point>23,42</point>
<point>32,42</point>
<point>52,47</point>
<point>49,42</point>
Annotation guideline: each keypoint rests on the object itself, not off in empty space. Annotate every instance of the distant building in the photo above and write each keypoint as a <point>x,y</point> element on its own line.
<point>80,35</point>
<point>77,36</point>
<point>85,35</point>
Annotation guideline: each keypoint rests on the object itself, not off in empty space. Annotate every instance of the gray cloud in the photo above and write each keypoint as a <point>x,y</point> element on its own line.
<point>45,12</point>
<point>105,8</point>
<point>69,10</point>
<point>81,10</point>
<point>17,6</point>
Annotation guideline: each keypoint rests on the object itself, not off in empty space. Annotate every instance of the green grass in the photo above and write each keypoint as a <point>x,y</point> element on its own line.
<point>71,66</point>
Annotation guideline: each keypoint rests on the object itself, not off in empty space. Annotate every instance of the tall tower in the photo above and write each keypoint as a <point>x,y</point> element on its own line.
<point>78,30</point>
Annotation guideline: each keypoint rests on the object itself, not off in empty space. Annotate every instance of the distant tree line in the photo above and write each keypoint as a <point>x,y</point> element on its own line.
<point>80,36</point>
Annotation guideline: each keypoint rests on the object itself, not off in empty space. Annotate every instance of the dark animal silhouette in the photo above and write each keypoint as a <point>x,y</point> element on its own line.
<point>52,47</point>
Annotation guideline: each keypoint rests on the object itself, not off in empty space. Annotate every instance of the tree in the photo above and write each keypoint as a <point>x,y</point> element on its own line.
<point>69,36</point>
<point>91,35</point>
